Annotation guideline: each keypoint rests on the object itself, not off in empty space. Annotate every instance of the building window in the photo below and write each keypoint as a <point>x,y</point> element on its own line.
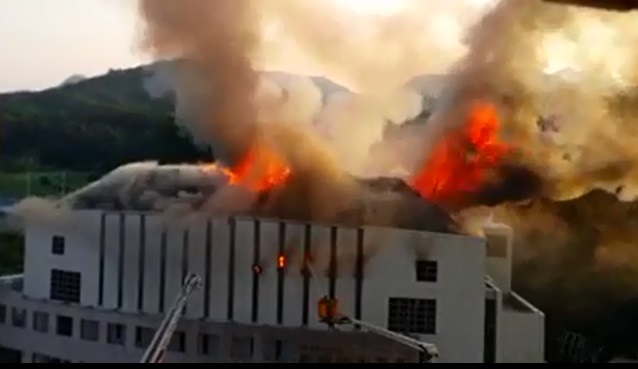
<point>412,315</point>
<point>241,348</point>
<point>65,286</point>
<point>40,321</point>
<point>143,337</point>
<point>178,342</point>
<point>427,271</point>
<point>274,350</point>
<point>90,330</point>
<point>18,317</point>
<point>45,359</point>
<point>3,314</point>
<point>208,344</point>
<point>57,245</point>
<point>116,334</point>
<point>64,326</point>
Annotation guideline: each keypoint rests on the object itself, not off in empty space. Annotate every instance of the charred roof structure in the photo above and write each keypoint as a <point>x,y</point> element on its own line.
<point>149,187</point>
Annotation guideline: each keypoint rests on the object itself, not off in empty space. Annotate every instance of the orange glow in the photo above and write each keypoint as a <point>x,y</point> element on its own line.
<point>260,169</point>
<point>328,309</point>
<point>460,163</point>
<point>281,261</point>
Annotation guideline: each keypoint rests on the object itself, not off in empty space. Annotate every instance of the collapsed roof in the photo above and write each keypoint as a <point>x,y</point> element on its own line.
<point>148,186</point>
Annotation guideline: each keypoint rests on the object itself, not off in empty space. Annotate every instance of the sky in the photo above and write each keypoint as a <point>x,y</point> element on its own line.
<point>43,42</point>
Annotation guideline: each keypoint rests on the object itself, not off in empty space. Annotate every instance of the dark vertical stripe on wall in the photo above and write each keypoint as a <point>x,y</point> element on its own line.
<point>256,272</point>
<point>305,302</point>
<point>332,286</point>
<point>232,228</point>
<point>162,270</point>
<point>120,261</point>
<point>281,273</point>
<point>185,251</point>
<point>207,272</point>
<point>102,241</point>
<point>141,263</point>
<point>358,274</point>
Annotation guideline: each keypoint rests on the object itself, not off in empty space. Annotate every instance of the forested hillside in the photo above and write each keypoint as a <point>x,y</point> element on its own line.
<point>90,126</point>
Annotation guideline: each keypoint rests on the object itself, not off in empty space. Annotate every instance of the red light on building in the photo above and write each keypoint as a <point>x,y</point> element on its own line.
<point>257,269</point>
<point>281,261</point>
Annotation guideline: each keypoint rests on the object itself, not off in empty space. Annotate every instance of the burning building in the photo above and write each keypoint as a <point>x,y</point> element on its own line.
<point>268,249</point>
<point>281,218</point>
<point>97,283</point>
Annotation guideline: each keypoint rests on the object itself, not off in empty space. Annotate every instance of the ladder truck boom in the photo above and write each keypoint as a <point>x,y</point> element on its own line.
<point>329,314</point>
<point>156,350</point>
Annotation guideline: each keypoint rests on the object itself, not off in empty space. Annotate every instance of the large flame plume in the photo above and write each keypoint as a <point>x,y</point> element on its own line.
<point>460,164</point>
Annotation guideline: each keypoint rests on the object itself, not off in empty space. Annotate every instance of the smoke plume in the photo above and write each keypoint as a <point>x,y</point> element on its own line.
<point>565,78</point>
<point>375,55</point>
<point>214,41</point>
<point>565,81</point>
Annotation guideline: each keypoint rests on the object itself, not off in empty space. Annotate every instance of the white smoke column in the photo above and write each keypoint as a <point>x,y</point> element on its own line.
<point>366,51</point>
<point>373,48</point>
<point>353,123</point>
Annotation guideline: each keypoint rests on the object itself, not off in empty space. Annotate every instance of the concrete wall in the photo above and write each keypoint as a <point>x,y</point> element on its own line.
<point>317,345</point>
<point>499,254</point>
<point>134,264</point>
<point>522,336</point>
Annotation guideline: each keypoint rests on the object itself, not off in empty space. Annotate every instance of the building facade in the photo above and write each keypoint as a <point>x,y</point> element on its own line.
<point>96,285</point>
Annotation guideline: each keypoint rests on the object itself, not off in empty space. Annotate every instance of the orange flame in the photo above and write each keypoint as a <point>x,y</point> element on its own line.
<point>281,261</point>
<point>259,170</point>
<point>459,164</point>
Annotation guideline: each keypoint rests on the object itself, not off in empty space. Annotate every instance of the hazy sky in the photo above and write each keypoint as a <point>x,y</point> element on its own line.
<point>43,42</point>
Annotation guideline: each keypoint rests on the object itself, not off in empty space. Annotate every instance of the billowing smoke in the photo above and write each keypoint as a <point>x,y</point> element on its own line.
<point>213,41</point>
<point>371,53</point>
<point>565,82</point>
<point>565,79</point>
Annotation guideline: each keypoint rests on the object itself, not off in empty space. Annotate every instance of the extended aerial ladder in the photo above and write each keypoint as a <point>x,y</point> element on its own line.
<point>328,310</point>
<point>157,349</point>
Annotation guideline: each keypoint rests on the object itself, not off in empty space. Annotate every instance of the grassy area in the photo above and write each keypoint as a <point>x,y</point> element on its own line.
<point>11,253</point>
<point>17,185</point>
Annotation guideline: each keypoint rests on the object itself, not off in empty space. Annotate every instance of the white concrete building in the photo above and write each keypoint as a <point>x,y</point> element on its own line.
<point>95,288</point>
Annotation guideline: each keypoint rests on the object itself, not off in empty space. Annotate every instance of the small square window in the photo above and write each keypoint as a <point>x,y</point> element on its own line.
<point>18,317</point>
<point>178,342</point>
<point>64,326</point>
<point>427,271</point>
<point>143,337</point>
<point>90,330</point>
<point>116,334</point>
<point>40,321</point>
<point>57,245</point>
<point>241,348</point>
<point>209,344</point>
<point>274,350</point>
